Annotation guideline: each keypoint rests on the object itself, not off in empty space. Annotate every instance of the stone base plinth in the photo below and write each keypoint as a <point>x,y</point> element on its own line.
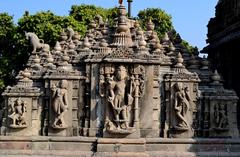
<point>149,133</point>
<point>132,135</point>
<point>106,147</point>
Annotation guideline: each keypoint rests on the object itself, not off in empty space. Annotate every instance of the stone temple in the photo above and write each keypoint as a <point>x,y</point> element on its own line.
<point>118,91</point>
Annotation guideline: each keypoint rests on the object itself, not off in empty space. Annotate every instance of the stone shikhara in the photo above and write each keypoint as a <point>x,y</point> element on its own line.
<point>118,82</point>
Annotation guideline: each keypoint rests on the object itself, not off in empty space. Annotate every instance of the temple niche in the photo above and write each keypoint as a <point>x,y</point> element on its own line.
<point>118,86</point>
<point>60,104</point>
<point>18,109</point>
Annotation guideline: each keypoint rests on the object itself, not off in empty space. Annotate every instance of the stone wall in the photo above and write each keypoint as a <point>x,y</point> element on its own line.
<point>117,91</point>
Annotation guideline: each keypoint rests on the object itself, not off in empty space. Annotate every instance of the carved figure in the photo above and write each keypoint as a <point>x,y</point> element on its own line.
<point>35,41</point>
<point>18,112</point>
<point>122,89</point>
<point>220,116</point>
<point>116,96</point>
<point>110,125</point>
<point>60,103</point>
<point>181,106</point>
<point>70,33</point>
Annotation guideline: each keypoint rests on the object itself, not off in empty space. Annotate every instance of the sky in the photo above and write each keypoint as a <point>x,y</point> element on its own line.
<point>190,17</point>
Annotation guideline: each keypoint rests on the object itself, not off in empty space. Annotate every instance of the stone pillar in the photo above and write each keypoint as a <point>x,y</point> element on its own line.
<point>156,100</point>
<point>149,105</point>
<point>136,101</point>
<point>87,102</point>
<point>92,111</point>
<point>129,8</point>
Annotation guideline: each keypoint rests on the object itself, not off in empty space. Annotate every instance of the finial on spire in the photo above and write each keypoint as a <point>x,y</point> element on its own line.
<point>120,2</point>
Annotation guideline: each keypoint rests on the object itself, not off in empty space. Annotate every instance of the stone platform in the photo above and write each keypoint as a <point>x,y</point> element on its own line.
<point>103,147</point>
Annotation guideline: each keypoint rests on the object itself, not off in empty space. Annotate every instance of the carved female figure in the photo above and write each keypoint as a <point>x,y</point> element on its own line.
<point>181,106</point>
<point>220,116</point>
<point>60,103</point>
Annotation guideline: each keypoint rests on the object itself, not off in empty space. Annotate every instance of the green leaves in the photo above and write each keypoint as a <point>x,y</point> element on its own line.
<point>86,13</point>
<point>162,21</point>
<point>159,17</point>
<point>7,31</point>
<point>48,26</point>
<point>6,25</point>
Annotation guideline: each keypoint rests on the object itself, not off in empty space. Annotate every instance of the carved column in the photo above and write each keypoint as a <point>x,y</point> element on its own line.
<point>92,111</point>
<point>138,71</point>
<point>136,98</point>
<point>156,100</point>
<point>87,100</point>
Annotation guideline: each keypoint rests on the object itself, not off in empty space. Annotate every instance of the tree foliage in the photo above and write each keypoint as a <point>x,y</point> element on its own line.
<point>48,26</point>
<point>162,21</point>
<point>7,49</point>
<point>87,13</point>
<point>14,48</point>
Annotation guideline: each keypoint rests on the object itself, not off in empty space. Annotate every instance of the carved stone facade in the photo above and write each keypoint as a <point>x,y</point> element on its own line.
<point>121,88</point>
<point>22,113</point>
<point>118,82</point>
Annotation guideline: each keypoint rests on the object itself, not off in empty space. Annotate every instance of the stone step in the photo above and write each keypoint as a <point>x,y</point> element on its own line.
<point>107,147</point>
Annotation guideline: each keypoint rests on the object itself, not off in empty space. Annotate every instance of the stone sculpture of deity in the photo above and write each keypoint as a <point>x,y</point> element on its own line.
<point>118,99</point>
<point>18,113</point>
<point>220,116</point>
<point>181,106</point>
<point>60,103</point>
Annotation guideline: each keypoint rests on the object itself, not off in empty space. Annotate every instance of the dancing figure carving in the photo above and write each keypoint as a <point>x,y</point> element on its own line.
<point>17,114</point>
<point>122,87</point>
<point>116,97</point>
<point>220,117</point>
<point>60,104</point>
<point>181,106</point>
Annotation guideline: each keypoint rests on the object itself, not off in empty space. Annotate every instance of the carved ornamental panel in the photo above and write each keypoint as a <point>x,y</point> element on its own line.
<point>121,86</point>
<point>17,113</point>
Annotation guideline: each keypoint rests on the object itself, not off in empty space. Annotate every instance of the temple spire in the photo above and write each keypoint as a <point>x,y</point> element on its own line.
<point>129,6</point>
